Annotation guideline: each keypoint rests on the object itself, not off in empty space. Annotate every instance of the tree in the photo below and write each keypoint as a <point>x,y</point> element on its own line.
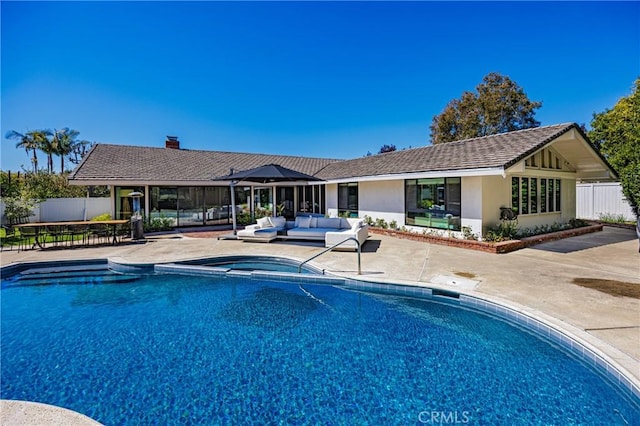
<point>64,141</point>
<point>44,138</point>
<point>79,150</point>
<point>387,148</point>
<point>28,143</point>
<point>499,105</point>
<point>616,133</point>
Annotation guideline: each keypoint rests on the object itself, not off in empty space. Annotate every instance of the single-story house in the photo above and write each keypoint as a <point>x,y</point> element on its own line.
<point>530,173</point>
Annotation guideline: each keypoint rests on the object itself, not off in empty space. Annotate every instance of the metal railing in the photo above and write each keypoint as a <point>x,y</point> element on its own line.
<point>331,248</point>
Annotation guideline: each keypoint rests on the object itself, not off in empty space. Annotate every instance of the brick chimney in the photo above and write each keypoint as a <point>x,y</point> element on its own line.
<point>172,142</point>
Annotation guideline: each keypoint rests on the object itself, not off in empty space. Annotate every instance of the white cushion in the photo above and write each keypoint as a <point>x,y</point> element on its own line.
<point>264,222</point>
<point>278,222</point>
<point>304,222</point>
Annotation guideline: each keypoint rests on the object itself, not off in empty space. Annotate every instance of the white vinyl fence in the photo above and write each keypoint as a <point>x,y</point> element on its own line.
<point>596,199</point>
<point>67,209</point>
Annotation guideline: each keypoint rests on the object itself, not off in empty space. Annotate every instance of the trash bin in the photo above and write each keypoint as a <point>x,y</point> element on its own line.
<point>137,229</point>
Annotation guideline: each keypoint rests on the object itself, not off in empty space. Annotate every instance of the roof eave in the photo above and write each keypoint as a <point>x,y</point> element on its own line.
<point>485,171</point>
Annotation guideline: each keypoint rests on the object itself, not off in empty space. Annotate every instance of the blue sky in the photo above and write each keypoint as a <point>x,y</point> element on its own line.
<point>325,79</point>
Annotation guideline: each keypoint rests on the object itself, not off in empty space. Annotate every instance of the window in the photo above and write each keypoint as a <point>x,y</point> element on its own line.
<point>318,198</point>
<point>262,201</point>
<point>533,195</point>
<point>515,194</point>
<point>311,198</point>
<point>164,202</point>
<point>217,205</point>
<point>124,203</point>
<point>348,199</point>
<point>550,196</point>
<point>434,203</point>
<point>524,193</point>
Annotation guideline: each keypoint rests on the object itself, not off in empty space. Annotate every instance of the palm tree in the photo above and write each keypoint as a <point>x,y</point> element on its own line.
<point>28,142</point>
<point>64,141</point>
<point>44,139</point>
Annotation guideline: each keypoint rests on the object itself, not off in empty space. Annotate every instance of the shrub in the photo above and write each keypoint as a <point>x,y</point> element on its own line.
<point>16,208</point>
<point>506,230</point>
<point>244,219</point>
<point>579,223</point>
<point>161,223</point>
<point>103,216</point>
<point>610,218</point>
<point>263,213</point>
<point>555,227</point>
<point>393,225</point>
<point>381,223</point>
<point>467,234</point>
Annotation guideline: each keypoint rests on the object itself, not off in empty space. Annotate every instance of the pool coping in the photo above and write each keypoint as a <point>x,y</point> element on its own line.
<point>606,360</point>
<point>28,413</point>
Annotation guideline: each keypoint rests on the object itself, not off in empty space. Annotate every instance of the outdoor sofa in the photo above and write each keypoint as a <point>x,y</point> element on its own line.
<point>331,230</point>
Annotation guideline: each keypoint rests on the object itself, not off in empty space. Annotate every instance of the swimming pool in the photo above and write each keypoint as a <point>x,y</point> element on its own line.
<point>169,349</point>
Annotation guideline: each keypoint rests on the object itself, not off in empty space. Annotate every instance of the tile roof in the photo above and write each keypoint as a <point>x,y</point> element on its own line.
<point>501,150</point>
<point>106,162</point>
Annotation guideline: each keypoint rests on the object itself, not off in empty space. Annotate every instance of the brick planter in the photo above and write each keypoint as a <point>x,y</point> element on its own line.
<point>501,247</point>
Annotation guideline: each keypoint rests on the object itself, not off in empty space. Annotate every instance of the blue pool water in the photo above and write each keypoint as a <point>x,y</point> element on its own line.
<point>166,349</point>
<point>254,263</point>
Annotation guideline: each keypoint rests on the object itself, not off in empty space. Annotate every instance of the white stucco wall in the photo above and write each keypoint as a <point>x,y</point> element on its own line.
<point>496,194</point>
<point>331,199</point>
<point>568,199</point>
<point>382,200</point>
<point>471,192</point>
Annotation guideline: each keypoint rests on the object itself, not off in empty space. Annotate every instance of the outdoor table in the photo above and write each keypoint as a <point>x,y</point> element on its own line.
<point>39,226</point>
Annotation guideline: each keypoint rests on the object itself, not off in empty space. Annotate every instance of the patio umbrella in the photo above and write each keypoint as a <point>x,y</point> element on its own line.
<point>269,173</point>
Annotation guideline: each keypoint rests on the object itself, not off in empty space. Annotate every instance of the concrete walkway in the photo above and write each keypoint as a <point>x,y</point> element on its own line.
<point>536,279</point>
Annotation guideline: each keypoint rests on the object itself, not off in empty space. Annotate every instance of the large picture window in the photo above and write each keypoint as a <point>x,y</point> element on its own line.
<point>348,199</point>
<point>124,203</point>
<point>433,203</point>
<point>533,195</point>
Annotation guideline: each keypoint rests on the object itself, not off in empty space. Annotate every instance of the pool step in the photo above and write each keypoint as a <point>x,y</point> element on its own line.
<point>68,268</point>
<point>68,276</point>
